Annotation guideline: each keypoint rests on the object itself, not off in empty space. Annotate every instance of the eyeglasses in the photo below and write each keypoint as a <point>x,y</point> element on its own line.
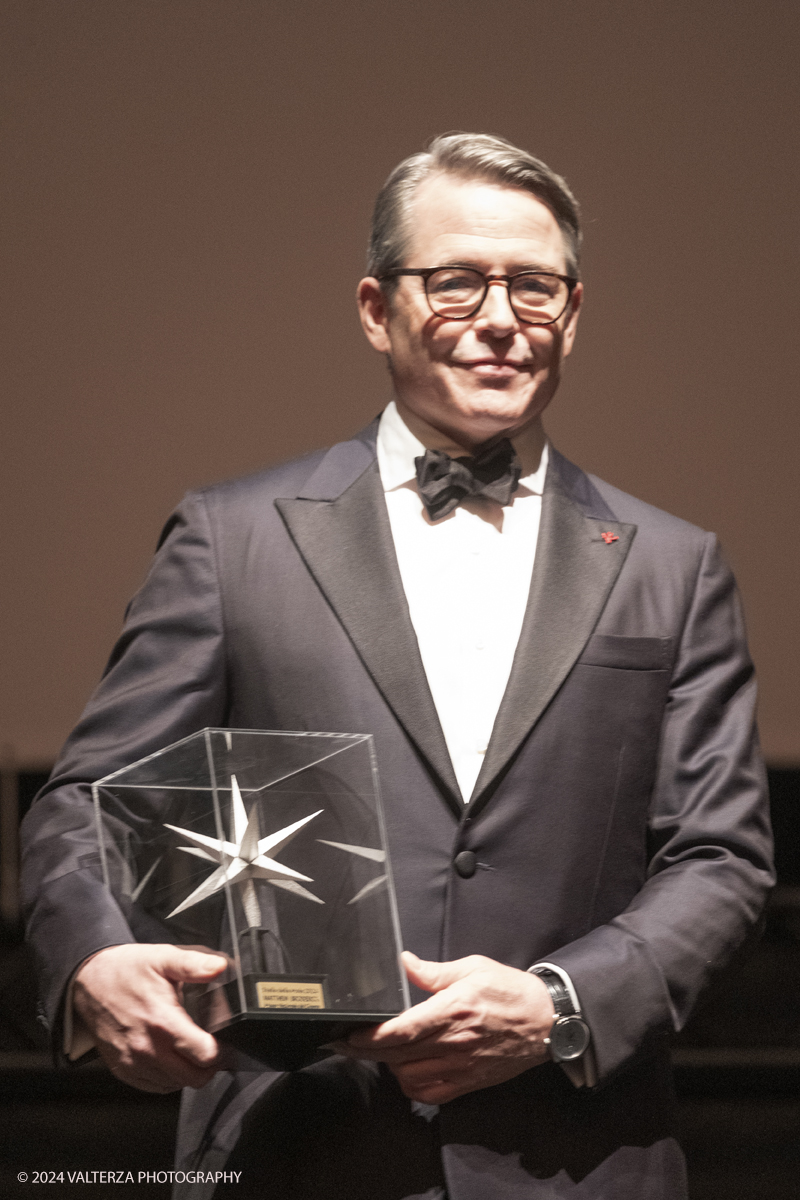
<point>457,293</point>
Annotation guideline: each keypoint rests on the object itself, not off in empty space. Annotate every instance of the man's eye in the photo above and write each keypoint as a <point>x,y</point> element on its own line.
<point>530,286</point>
<point>446,285</point>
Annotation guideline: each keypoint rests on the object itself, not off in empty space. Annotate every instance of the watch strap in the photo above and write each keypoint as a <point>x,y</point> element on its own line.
<point>569,1035</point>
<point>562,1001</point>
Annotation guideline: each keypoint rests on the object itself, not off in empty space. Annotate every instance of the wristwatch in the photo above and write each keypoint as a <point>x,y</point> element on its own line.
<point>569,1035</point>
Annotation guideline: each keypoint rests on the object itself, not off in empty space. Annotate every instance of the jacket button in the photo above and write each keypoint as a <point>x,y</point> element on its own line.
<point>465,863</point>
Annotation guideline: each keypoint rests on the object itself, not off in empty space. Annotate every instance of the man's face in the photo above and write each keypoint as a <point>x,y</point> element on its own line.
<point>489,374</point>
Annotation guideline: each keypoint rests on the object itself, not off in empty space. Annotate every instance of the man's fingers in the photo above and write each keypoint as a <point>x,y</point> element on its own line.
<point>434,976</point>
<point>427,1070</point>
<point>162,1072</point>
<point>168,1035</point>
<point>424,1020</point>
<point>164,1054</point>
<point>130,966</point>
<point>127,998</point>
<point>184,966</point>
<point>433,1082</point>
<point>176,1064</point>
<point>190,1041</point>
<point>428,1019</point>
<point>435,1093</point>
<point>401,1052</point>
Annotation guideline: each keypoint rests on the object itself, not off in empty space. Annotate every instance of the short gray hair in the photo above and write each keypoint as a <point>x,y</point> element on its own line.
<point>470,156</point>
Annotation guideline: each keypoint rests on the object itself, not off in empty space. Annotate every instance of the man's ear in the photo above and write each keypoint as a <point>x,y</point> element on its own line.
<point>575,302</point>
<point>373,309</point>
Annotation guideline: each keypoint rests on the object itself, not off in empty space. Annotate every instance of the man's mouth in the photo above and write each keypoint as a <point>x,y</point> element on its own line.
<point>492,367</point>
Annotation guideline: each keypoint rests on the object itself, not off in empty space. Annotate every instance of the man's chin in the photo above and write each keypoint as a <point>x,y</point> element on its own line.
<point>497,409</point>
<point>476,415</point>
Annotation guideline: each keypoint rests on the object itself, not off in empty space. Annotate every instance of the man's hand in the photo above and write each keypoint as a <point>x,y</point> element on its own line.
<point>485,1024</point>
<point>127,996</point>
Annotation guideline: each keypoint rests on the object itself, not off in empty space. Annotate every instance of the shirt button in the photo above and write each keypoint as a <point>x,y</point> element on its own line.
<point>465,863</point>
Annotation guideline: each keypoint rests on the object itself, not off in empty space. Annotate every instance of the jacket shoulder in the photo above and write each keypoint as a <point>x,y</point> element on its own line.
<point>320,474</point>
<point>240,503</point>
<point>602,500</point>
<point>283,479</point>
<point>646,516</point>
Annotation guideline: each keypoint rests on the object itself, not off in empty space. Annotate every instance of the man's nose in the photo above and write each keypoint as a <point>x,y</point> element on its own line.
<point>496,314</point>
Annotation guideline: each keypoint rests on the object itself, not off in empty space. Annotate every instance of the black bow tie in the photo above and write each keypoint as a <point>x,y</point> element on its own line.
<point>444,481</point>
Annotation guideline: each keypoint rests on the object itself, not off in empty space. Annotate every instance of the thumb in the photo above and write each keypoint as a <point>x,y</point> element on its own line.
<point>179,965</point>
<point>435,976</point>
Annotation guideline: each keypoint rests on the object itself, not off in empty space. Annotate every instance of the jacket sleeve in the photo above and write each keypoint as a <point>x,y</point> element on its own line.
<point>710,866</point>
<point>166,678</point>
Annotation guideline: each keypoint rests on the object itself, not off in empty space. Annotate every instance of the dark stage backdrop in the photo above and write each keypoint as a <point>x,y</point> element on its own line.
<point>187,187</point>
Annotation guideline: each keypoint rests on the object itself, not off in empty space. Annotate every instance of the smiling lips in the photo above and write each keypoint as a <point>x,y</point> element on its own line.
<point>493,366</point>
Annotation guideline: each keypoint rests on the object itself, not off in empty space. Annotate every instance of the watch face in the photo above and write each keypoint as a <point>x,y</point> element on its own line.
<point>569,1037</point>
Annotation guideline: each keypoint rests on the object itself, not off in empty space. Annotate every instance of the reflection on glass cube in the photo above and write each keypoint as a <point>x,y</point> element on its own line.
<point>270,848</point>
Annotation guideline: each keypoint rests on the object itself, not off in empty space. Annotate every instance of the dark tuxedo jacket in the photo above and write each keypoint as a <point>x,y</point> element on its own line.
<point>619,820</point>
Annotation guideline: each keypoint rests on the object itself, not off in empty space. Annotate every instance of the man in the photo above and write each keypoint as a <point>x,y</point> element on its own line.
<point>559,689</point>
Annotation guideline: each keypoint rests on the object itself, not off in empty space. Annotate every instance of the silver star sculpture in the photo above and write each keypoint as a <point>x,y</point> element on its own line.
<point>244,859</point>
<point>363,852</point>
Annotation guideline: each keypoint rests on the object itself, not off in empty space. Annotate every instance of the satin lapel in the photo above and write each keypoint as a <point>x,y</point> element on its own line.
<point>346,543</point>
<point>574,572</point>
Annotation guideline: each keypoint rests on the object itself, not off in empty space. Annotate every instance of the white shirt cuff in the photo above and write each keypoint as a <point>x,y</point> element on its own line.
<point>582,1072</point>
<point>77,1039</point>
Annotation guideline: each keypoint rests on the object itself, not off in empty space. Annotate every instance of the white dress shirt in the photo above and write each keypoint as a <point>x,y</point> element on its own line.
<point>466,578</point>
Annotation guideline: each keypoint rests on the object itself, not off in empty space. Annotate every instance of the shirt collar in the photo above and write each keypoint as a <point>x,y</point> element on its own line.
<point>398,447</point>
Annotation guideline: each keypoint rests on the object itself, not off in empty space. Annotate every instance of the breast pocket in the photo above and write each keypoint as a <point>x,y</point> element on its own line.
<point>628,653</point>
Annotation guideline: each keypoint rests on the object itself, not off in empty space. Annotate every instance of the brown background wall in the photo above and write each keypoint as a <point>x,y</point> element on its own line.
<point>173,170</point>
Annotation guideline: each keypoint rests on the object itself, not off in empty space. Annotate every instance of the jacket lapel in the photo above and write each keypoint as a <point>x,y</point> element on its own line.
<point>574,572</point>
<point>341,528</point>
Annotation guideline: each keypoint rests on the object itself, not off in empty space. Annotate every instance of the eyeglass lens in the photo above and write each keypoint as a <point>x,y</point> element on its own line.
<point>458,292</point>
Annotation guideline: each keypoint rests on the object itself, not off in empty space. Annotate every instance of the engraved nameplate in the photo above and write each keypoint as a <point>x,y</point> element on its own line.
<point>285,992</point>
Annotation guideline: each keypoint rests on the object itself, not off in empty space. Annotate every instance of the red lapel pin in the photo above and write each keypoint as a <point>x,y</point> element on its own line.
<point>608,538</point>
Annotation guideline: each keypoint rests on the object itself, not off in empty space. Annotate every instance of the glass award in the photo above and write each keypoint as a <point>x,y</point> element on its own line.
<point>269,848</point>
